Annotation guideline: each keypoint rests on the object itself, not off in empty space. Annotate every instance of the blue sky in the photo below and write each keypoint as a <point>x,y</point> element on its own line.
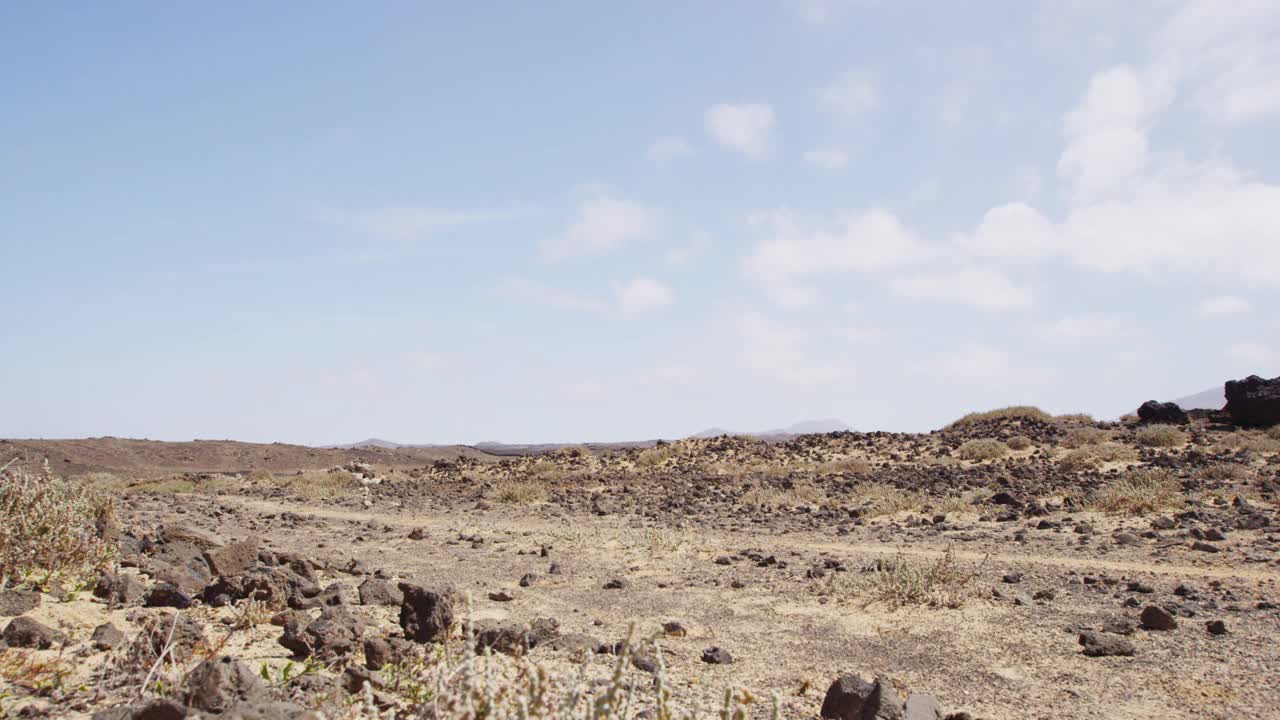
<point>591,221</point>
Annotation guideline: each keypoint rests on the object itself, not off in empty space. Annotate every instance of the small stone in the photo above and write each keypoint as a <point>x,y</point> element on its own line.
<point>23,632</point>
<point>1203,546</point>
<point>425,615</point>
<point>616,584</point>
<point>1216,627</point>
<point>501,596</point>
<point>18,602</point>
<point>1098,645</point>
<point>674,629</point>
<point>106,636</point>
<point>716,656</point>
<point>1155,617</point>
<point>164,594</point>
<point>528,580</point>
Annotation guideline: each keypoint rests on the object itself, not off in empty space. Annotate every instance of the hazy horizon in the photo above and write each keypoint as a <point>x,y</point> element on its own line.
<point>572,222</point>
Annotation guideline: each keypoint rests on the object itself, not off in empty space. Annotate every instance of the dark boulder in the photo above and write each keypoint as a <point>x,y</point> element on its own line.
<point>106,637</point>
<point>1159,413</point>
<point>18,602</point>
<point>852,698</point>
<point>216,686</point>
<point>233,559</point>
<point>425,615</point>
<point>1254,401</point>
<point>23,632</point>
<point>1100,645</point>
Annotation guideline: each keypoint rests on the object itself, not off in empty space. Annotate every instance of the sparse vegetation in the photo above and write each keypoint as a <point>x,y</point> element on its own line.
<point>1256,441</point>
<point>906,581</point>
<point>1015,412</point>
<point>1273,432</point>
<point>1140,491</point>
<point>1075,419</point>
<point>1090,457</point>
<point>1160,436</point>
<point>320,484</point>
<point>982,449</point>
<point>52,531</point>
<point>655,456</point>
<point>848,465</point>
<point>1082,437</point>
<point>1226,471</point>
<point>520,492</point>
<point>800,493</point>
<point>1019,442</point>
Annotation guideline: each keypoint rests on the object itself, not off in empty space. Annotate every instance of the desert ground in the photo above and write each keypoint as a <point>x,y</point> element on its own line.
<point>1010,565</point>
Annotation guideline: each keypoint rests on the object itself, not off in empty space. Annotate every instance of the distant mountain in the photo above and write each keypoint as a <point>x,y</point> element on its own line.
<point>1211,399</point>
<point>804,427</point>
<point>371,442</point>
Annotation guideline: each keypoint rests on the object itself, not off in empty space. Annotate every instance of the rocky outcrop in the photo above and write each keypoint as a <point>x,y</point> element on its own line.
<point>1158,413</point>
<point>1254,401</point>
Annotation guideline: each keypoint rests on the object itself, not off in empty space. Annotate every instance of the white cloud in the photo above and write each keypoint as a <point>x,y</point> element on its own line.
<point>602,224</point>
<point>1075,329</point>
<point>974,361</point>
<point>853,94</point>
<point>981,288</point>
<point>779,352</point>
<point>669,148</point>
<point>1223,305</point>
<point>538,293</point>
<point>1255,358</point>
<point>1027,183</point>
<point>643,294</point>
<point>827,159</point>
<point>1015,230</point>
<point>868,241</point>
<point>744,127</point>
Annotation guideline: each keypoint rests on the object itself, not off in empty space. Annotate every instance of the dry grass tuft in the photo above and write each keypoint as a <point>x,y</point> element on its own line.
<point>1015,412</point>
<point>906,581</point>
<point>520,492</point>
<point>1083,437</point>
<point>800,493</point>
<point>1075,419</point>
<point>1161,436</point>
<point>848,465</point>
<point>1140,491</point>
<point>51,530</point>
<point>320,484</point>
<point>1226,471</point>
<point>655,456</point>
<point>1019,442</point>
<point>983,449</point>
<point>1090,457</point>
<point>1256,441</point>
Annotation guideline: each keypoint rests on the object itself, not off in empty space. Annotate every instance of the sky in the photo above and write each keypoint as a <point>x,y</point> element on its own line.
<point>576,221</point>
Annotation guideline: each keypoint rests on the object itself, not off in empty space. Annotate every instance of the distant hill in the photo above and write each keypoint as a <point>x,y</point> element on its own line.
<point>1211,399</point>
<point>804,427</point>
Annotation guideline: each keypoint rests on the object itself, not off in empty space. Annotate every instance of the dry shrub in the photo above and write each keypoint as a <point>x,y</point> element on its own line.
<point>320,484</point>
<point>800,493</point>
<point>32,673</point>
<point>655,456</point>
<point>1226,471</point>
<point>1075,419</point>
<point>1019,442</point>
<point>1273,432</point>
<point>1140,491</point>
<point>1161,436</point>
<point>520,492</point>
<point>1252,440</point>
<point>906,582</point>
<point>1082,437</point>
<point>884,499</point>
<point>51,530</point>
<point>1093,456</point>
<point>849,465</point>
<point>983,449</point>
<point>1015,412</point>
<point>163,486</point>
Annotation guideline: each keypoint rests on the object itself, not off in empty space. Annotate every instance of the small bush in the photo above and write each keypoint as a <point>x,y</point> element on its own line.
<point>903,582</point>
<point>1273,432</point>
<point>1226,471</point>
<point>983,449</point>
<point>1093,456</point>
<point>1082,437</point>
<point>520,492</point>
<point>1019,442</point>
<point>1075,419</point>
<point>884,499</point>
<point>1251,440</point>
<point>51,530</point>
<point>849,465</point>
<point>1015,412</point>
<point>655,456</point>
<point>1161,436</point>
<point>800,493</point>
<point>1140,491</point>
<point>321,484</point>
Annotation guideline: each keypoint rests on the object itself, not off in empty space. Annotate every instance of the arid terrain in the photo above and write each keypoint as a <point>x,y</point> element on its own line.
<point>1011,565</point>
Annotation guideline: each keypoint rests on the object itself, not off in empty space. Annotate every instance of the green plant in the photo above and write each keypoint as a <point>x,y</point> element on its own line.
<point>289,672</point>
<point>1162,436</point>
<point>52,531</point>
<point>982,449</point>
